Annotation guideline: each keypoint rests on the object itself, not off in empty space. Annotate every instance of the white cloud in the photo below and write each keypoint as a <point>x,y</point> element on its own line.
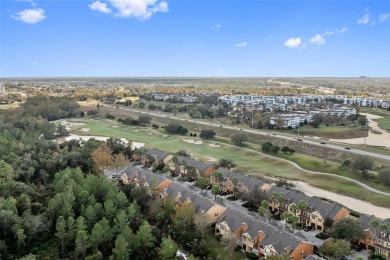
<point>365,19</point>
<point>215,27</point>
<point>142,9</point>
<point>34,63</point>
<point>342,30</point>
<point>99,6</point>
<point>30,16</point>
<point>384,17</point>
<point>241,44</point>
<point>317,39</point>
<point>293,42</point>
<point>32,2</point>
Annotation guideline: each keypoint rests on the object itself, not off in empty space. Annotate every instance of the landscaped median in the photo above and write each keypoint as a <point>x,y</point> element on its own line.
<point>247,160</point>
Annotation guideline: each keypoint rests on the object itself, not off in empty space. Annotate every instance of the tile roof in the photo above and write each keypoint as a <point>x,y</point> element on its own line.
<point>249,182</point>
<point>142,174</point>
<point>280,240</point>
<point>159,155</point>
<point>200,166</point>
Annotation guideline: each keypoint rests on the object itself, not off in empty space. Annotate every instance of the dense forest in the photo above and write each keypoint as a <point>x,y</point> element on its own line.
<point>56,204</point>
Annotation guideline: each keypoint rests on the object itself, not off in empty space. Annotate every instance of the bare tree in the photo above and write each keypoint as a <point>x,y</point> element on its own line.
<point>229,240</point>
<point>202,222</point>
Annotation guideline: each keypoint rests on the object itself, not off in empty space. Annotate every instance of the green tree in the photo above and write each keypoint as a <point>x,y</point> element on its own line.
<point>168,249</point>
<point>215,190</point>
<point>207,134</point>
<point>364,164</point>
<point>266,147</point>
<point>384,176</point>
<point>145,239</point>
<point>335,248</point>
<point>347,229</point>
<point>285,216</point>
<point>375,225</point>
<point>20,237</point>
<point>202,183</point>
<point>218,176</point>
<point>239,138</point>
<point>120,251</point>
<point>183,218</point>
<point>121,221</point>
<point>81,243</point>
<point>285,149</point>
<point>275,149</point>
<point>61,233</point>
<point>226,163</point>
<point>101,234</point>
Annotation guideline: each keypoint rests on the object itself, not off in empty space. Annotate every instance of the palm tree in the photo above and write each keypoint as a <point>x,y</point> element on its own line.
<point>374,224</point>
<point>235,182</point>
<point>285,217</point>
<point>294,219</point>
<point>384,228</point>
<point>274,197</point>
<point>302,206</point>
<point>280,199</point>
<point>294,208</point>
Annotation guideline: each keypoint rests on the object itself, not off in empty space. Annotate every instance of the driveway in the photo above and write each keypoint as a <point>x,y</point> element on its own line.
<point>311,236</point>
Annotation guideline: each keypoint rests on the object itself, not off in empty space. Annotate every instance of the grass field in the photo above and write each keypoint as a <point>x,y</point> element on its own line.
<point>337,132</point>
<point>248,162</point>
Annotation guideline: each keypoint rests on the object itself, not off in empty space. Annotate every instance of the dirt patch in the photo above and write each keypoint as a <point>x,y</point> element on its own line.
<point>86,130</point>
<point>211,159</point>
<point>192,141</point>
<point>215,145</point>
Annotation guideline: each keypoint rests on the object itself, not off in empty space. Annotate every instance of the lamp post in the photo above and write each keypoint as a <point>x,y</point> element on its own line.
<point>365,136</point>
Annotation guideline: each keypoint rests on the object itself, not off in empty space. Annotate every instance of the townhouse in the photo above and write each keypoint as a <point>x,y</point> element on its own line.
<point>260,238</point>
<point>189,168</point>
<point>376,239</point>
<point>159,156</point>
<point>317,213</point>
<point>244,183</point>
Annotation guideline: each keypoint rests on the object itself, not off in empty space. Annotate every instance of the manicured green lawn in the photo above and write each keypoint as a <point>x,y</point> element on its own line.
<point>247,161</point>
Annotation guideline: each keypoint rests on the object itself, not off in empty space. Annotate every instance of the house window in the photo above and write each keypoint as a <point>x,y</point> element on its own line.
<point>313,216</point>
<point>320,219</point>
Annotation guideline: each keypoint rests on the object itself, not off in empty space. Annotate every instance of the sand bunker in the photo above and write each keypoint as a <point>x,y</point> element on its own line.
<point>125,129</point>
<point>115,126</point>
<point>85,130</point>
<point>192,141</point>
<point>165,136</point>
<point>211,159</point>
<point>150,134</point>
<point>135,131</point>
<point>102,138</point>
<point>215,145</point>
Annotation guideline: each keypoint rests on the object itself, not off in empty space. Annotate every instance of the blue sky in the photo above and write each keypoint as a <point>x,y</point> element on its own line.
<point>194,38</point>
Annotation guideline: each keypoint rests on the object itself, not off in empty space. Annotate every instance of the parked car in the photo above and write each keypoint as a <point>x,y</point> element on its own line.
<point>358,248</point>
<point>308,228</point>
<point>347,148</point>
<point>322,143</point>
<point>113,176</point>
<point>241,129</point>
<point>299,140</point>
<point>343,257</point>
<point>220,125</point>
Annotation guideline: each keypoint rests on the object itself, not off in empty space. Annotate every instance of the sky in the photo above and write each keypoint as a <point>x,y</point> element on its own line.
<point>197,38</point>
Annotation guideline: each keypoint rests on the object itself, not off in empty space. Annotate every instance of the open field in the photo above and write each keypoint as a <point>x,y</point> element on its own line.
<point>384,122</point>
<point>338,132</point>
<point>248,162</point>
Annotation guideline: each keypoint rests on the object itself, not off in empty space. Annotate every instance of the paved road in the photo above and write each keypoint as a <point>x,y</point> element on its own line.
<point>264,133</point>
<point>279,136</point>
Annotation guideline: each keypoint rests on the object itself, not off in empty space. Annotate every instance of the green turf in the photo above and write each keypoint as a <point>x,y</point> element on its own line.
<point>247,161</point>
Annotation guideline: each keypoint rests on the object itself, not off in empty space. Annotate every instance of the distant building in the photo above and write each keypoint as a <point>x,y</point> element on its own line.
<point>2,89</point>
